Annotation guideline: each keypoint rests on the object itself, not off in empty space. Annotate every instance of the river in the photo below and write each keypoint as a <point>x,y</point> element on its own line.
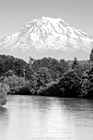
<point>46,118</point>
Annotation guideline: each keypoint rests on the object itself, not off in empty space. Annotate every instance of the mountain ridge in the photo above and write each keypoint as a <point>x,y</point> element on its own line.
<point>48,34</point>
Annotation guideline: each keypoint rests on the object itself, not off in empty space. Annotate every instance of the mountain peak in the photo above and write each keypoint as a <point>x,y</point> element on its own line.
<point>48,34</point>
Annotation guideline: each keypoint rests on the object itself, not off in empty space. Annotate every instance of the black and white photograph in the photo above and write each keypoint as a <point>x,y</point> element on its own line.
<point>46,69</point>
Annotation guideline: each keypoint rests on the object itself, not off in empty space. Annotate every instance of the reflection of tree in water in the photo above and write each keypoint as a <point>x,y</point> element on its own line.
<point>3,122</point>
<point>80,108</point>
<point>3,113</point>
<point>41,103</point>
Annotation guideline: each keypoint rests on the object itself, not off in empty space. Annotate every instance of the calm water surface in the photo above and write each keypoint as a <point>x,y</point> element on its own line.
<point>46,118</point>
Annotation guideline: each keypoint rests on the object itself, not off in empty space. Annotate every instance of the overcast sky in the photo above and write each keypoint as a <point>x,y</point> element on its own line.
<point>15,13</point>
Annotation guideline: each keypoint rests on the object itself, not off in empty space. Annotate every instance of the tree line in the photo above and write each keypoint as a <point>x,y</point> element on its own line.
<point>47,76</point>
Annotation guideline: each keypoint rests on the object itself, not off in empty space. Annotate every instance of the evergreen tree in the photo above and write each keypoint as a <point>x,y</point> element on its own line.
<point>91,56</point>
<point>91,60</point>
<point>75,63</point>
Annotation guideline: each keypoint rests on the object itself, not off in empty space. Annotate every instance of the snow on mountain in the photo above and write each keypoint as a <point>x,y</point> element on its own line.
<point>46,34</point>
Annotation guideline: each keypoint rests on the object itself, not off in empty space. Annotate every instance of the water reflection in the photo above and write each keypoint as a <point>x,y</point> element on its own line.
<point>3,122</point>
<point>79,115</point>
<point>46,118</point>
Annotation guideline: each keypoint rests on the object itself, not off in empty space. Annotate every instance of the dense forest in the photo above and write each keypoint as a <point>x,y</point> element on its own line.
<point>47,76</point>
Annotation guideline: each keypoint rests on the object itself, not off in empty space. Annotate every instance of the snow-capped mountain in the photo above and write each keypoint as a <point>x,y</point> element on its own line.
<point>48,34</point>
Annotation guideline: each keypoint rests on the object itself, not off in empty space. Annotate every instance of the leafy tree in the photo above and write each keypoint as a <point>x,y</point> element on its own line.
<point>70,84</point>
<point>55,68</point>
<point>44,76</point>
<point>19,66</point>
<point>33,85</point>
<point>29,72</point>
<point>12,81</point>
<point>41,78</point>
<point>87,84</point>
<point>85,88</point>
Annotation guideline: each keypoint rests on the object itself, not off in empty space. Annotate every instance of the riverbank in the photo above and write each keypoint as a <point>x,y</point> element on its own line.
<point>47,77</point>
